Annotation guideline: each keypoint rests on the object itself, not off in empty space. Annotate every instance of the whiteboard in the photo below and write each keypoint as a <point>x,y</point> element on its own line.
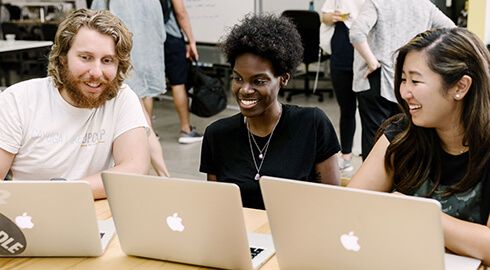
<point>278,6</point>
<point>211,19</point>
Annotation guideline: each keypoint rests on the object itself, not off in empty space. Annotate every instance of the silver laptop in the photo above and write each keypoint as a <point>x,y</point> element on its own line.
<point>188,221</point>
<point>316,226</point>
<point>50,218</point>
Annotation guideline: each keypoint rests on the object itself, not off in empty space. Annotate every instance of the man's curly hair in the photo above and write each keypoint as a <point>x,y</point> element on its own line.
<point>268,36</point>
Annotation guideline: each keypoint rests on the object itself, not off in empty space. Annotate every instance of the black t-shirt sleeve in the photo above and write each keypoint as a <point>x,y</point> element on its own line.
<point>208,159</point>
<point>327,142</point>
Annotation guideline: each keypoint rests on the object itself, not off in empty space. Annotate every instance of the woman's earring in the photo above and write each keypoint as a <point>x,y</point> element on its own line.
<point>457,96</point>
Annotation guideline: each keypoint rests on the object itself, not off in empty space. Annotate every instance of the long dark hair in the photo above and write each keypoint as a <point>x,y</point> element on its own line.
<point>415,152</point>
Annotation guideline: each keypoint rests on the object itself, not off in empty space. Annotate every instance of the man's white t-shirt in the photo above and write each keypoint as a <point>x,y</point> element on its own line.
<point>51,138</point>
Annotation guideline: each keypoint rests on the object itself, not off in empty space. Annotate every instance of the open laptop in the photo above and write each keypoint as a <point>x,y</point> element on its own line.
<point>317,226</point>
<point>50,219</point>
<point>188,221</point>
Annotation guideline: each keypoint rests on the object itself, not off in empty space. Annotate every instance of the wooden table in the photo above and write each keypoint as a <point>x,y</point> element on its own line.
<point>114,258</point>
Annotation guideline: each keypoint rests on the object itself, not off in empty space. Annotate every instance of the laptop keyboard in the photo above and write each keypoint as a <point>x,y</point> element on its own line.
<point>255,251</point>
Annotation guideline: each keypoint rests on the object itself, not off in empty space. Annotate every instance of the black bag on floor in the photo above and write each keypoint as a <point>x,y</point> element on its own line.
<point>208,94</point>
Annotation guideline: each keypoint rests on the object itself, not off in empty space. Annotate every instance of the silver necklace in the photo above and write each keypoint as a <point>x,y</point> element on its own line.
<point>263,151</point>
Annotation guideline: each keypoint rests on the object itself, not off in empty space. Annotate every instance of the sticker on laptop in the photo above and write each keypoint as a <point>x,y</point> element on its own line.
<point>12,239</point>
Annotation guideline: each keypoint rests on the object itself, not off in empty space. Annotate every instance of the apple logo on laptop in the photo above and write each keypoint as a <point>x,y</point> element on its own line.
<point>349,241</point>
<point>24,221</point>
<point>174,222</point>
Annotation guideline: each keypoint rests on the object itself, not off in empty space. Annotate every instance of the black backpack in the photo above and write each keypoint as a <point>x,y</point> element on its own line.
<point>208,95</point>
<point>166,10</point>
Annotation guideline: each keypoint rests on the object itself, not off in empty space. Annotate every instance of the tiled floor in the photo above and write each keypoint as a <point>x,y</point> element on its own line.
<point>183,160</point>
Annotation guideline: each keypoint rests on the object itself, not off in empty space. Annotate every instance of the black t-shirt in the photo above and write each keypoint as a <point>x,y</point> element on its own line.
<point>303,137</point>
<point>453,169</point>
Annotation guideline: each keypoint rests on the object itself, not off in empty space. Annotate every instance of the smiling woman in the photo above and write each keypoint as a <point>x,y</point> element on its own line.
<point>442,76</point>
<point>267,137</point>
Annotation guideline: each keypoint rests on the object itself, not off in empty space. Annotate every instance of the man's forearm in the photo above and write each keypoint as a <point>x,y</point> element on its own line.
<point>366,53</point>
<point>95,180</point>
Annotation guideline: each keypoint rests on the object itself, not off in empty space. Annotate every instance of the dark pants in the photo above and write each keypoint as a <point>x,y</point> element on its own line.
<point>373,110</point>
<point>346,98</point>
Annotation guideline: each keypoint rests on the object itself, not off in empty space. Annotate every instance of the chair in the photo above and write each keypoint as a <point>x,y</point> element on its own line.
<point>308,25</point>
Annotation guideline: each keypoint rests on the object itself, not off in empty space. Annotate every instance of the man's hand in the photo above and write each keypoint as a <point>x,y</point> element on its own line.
<point>191,52</point>
<point>371,67</point>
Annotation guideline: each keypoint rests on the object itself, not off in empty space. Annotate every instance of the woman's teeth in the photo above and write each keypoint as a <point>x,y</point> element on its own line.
<point>248,102</point>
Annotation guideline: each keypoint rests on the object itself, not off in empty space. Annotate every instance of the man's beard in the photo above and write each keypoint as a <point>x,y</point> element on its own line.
<point>80,100</point>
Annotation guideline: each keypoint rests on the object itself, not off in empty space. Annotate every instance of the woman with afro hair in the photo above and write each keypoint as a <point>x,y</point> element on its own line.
<point>267,137</point>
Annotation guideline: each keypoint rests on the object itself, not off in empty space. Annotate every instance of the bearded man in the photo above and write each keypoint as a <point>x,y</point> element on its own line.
<point>81,119</point>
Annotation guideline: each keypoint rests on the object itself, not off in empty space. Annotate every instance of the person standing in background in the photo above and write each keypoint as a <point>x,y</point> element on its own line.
<point>340,14</point>
<point>382,27</point>
<point>144,20</point>
<point>176,64</point>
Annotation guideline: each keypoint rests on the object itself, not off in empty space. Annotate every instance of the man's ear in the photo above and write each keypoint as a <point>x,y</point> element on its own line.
<point>62,59</point>
<point>284,79</point>
<point>462,87</point>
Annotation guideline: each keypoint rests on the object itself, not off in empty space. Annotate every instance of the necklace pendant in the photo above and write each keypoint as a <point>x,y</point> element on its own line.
<point>261,156</point>
<point>257,177</point>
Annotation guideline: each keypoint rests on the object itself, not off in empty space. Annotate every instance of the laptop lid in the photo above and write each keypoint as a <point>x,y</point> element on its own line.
<point>316,226</point>
<point>188,221</point>
<point>48,218</point>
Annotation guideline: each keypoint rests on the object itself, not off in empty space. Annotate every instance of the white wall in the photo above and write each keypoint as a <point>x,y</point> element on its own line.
<point>479,19</point>
<point>277,7</point>
<point>487,24</point>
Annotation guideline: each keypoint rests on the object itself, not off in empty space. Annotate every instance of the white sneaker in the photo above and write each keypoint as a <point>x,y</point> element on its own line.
<point>190,137</point>
<point>345,165</point>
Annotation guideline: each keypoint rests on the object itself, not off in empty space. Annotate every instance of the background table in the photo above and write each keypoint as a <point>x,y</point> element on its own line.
<point>25,57</point>
<point>20,45</point>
